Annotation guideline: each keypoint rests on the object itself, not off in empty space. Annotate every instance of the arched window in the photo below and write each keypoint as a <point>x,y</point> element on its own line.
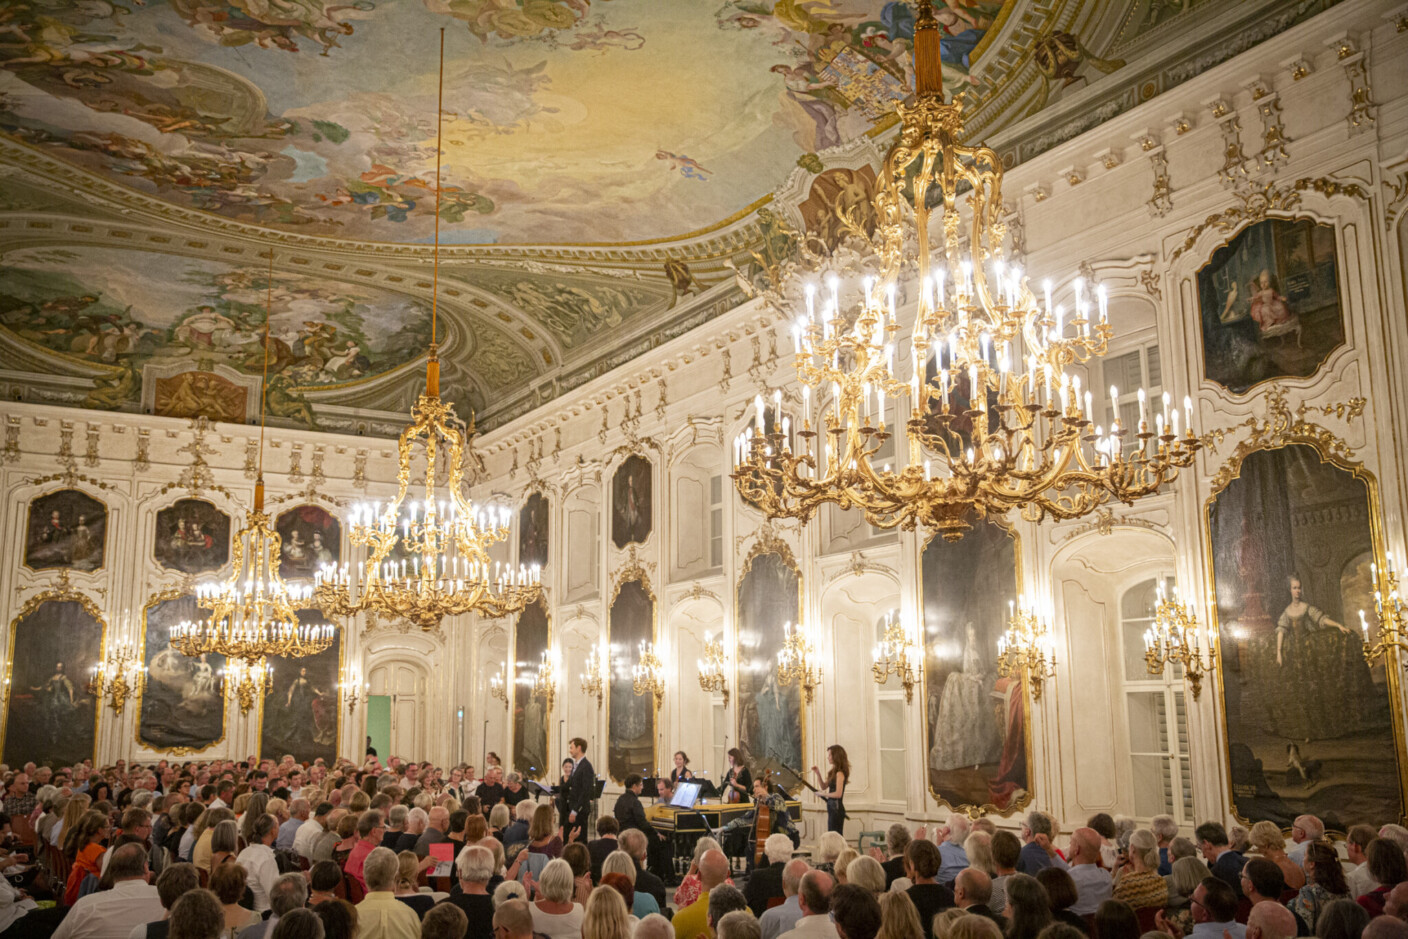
<point>1157,716</point>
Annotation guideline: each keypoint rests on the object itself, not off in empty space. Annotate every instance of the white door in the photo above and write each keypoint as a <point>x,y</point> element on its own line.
<point>405,685</point>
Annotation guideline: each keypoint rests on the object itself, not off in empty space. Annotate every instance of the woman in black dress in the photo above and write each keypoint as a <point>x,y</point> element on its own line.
<point>834,787</point>
<point>738,782</point>
<point>681,770</point>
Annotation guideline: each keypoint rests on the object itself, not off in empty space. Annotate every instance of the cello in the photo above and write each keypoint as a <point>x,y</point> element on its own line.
<point>762,827</point>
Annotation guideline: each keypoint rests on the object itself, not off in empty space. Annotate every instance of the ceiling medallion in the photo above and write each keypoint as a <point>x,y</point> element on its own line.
<point>1027,439</point>
<point>428,552</point>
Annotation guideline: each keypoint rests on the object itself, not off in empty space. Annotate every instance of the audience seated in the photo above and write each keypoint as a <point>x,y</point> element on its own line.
<point>814,901</point>
<point>766,880</point>
<point>783,917</point>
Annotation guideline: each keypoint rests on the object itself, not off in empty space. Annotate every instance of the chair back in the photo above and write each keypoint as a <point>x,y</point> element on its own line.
<point>1244,910</point>
<point>776,901</point>
<point>356,893</point>
<point>1146,916</point>
<point>870,839</point>
<point>24,831</point>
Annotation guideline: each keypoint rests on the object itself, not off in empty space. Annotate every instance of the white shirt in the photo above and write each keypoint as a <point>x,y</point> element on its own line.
<point>1297,851</point>
<point>1093,887</point>
<point>112,914</point>
<point>1360,881</point>
<point>306,836</point>
<point>261,870</point>
<point>188,843</point>
<point>11,906</point>
<point>812,927</point>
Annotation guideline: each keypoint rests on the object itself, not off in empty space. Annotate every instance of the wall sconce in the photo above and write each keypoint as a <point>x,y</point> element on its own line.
<point>545,681</point>
<point>798,660</point>
<point>1176,639</point>
<point>354,690</point>
<point>649,673</point>
<point>1026,649</point>
<point>898,655</point>
<point>498,684</point>
<point>598,674</point>
<point>246,682</point>
<point>121,676</point>
<point>713,676</point>
<point>1389,613</point>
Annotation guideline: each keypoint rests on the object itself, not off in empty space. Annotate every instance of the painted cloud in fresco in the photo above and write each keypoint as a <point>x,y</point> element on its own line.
<point>319,117</point>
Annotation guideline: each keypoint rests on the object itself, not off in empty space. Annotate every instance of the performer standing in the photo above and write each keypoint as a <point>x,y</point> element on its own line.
<point>737,781</point>
<point>580,789</point>
<point>681,770</point>
<point>834,787</point>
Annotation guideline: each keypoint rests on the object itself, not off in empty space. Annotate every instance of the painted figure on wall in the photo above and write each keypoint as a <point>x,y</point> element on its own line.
<point>769,714</point>
<point>533,531</point>
<point>1290,535</point>
<point>50,716</point>
<point>530,715</point>
<point>67,530</point>
<point>192,536</point>
<point>1269,303</point>
<point>976,720</point>
<point>183,707</point>
<point>301,713</point>
<point>311,537</point>
<point>631,517</point>
<point>631,718</point>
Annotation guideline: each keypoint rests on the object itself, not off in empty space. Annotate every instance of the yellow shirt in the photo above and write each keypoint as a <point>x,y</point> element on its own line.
<point>382,916</point>
<point>693,919</point>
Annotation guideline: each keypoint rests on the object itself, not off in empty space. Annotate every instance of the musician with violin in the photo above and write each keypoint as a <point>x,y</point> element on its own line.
<point>768,815</point>
<point>738,782</point>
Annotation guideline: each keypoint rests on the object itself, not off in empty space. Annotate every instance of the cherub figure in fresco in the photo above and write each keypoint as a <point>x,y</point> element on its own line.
<point>689,167</point>
<point>202,328</point>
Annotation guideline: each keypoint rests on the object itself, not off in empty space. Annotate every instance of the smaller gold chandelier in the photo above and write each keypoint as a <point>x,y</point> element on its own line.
<point>545,681</point>
<point>898,655</point>
<point>649,673</point>
<point>498,684</point>
<point>353,688</point>
<point>798,660</point>
<point>247,682</point>
<point>597,676</point>
<point>1026,650</point>
<point>1388,613</point>
<point>712,675</point>
<point>1176,639</point>
<point>121,676</point>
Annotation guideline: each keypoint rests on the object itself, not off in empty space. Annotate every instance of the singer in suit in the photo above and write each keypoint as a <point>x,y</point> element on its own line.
<point>580,789</point>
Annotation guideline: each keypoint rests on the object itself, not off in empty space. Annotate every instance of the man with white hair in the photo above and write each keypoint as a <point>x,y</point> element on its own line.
<point>380,915</point>
<point>766,881</point>
<point>814,896</point>
<point>416,821</point>
<point>298,812</point>
<point>951,854</point>
<point>633,843</point>
<point>289,893</point>
<point>311,830</point>
<point>1165,829</point>
<point>1304,830</point>
<point>475,868</point>
<point>654,926</point>
<point>783,918</point>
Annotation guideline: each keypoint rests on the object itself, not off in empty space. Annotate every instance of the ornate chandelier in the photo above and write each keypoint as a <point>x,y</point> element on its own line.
<point>428,557</point>
<point>253,613</point>
<point>1177,639</point>
<point>247,682</point>
<point>995,422</point>
<point>798,661</point>
<point>1026,650</point>
<point>1388,613</point>
<point>898,654</point>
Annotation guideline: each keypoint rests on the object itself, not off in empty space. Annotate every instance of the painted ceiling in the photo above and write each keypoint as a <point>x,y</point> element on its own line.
<point>606,169</point>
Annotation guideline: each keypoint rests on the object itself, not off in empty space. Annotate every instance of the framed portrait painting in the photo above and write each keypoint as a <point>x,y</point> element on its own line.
<point>50,718</point>
<point>631,518</point>
<point>300,714</point>
<point>630,717</point>
<point>976,726</point>
<point>67,531</point>
<point>1291,540</point>
<point>192,536</point>
<point>312,537</point>
<point>533,531</point>
<point>1269,303</point>
<point>769,713</point>
<point>183,705</point>
<point>530,711</point>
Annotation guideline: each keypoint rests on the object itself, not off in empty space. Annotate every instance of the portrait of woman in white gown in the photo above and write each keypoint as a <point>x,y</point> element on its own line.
<point>966,734</point>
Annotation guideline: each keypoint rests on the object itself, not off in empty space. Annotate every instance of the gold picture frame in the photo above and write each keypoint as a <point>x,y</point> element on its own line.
<point>155,600</point>
<point>633,573</point>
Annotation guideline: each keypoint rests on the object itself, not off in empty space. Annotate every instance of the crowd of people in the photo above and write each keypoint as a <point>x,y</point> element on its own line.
<point>264,849</point>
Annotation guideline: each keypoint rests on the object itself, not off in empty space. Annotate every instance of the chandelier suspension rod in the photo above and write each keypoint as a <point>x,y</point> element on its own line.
<point>432,369</point>
<point>264,385</point>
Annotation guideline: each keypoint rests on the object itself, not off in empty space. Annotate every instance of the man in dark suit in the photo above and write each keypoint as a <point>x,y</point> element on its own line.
<point>972,890</point>
<point>629,812</point>
<point>580,789</point>
<point>1225,863</point>
<point>605,843</point>
<point>766,880</point>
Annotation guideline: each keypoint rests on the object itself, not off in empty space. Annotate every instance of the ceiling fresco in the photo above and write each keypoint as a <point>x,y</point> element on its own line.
<point>566,121</point>
<point>609,175</point>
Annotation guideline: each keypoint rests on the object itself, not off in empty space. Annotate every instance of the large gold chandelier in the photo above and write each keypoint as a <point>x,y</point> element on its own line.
<point>995,422</point>
<point>253,613</point>
<point>428,557</point>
